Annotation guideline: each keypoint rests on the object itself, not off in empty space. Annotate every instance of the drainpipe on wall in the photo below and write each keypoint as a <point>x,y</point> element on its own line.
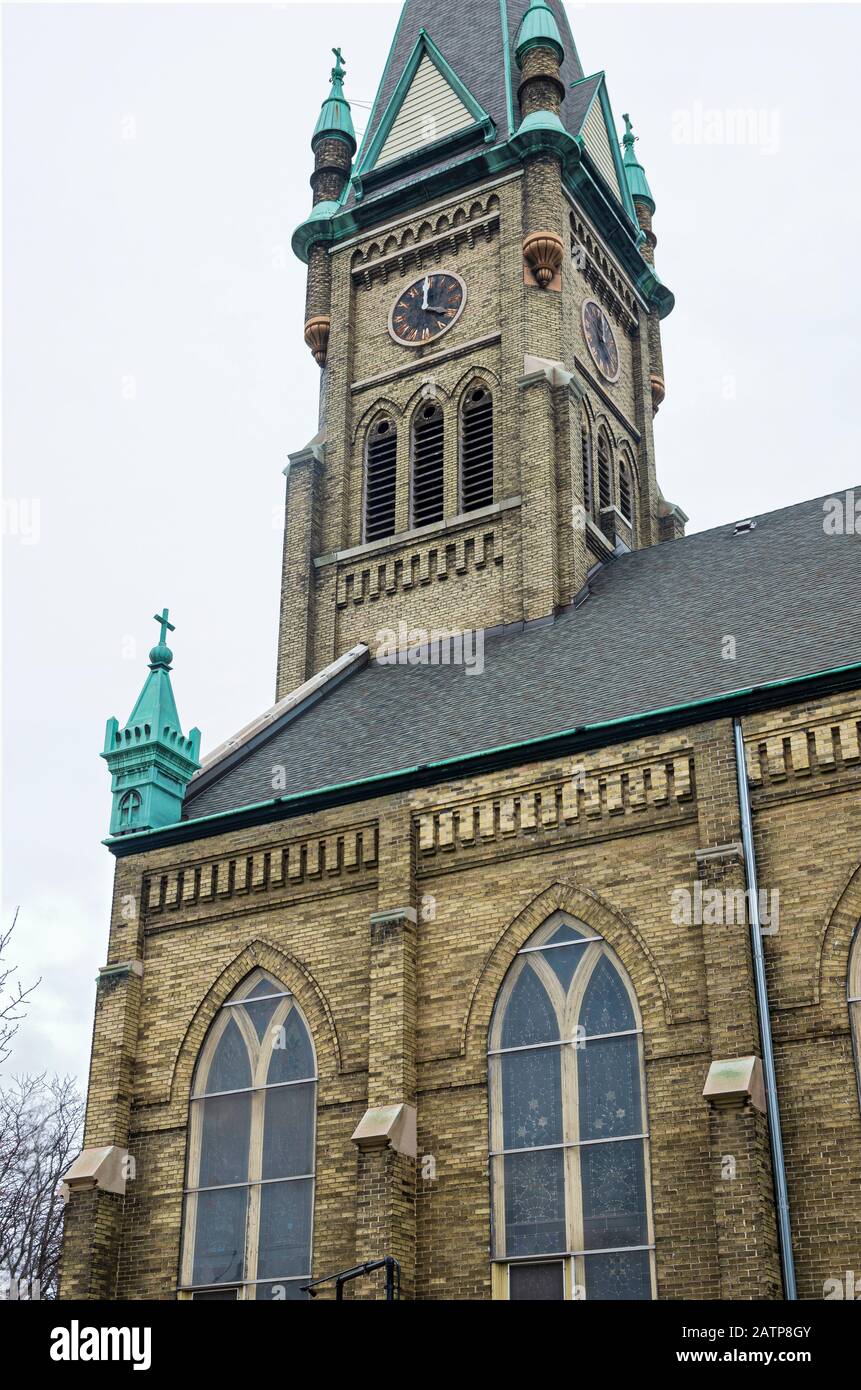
<point>775,1133</point>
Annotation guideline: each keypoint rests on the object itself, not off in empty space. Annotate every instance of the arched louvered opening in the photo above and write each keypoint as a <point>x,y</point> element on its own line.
<point>605,473</point>
<point>476,450</point>
<point>428,465</point>
<point>586,455</point>
<point>249,1194</point>
<point>626,492</point>
<point>569,1146</point>
<point>381,467</point>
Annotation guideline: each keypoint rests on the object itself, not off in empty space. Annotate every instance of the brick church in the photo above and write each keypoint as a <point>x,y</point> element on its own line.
<point>514,952</point>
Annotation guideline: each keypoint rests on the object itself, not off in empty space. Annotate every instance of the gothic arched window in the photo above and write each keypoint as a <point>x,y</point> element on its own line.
<point>381,472</point>
<point>427,491</point>
<point>476,449</point>
<point>249,1195</point>
<point>855,999</point>
<point>605,472</point>
<point>568,1127</point>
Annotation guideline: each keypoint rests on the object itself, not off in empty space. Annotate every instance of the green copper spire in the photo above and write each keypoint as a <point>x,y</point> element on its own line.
<point>335,120</point>
<point>150,760</point>
<point>634,171</point>
<point>538,30</point>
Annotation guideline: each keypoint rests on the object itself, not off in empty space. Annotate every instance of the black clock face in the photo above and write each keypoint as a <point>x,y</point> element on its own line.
<point>600,340</point>
<point>427,309</point>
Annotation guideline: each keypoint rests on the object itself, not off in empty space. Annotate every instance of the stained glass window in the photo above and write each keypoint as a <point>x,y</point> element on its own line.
<point>568,1129</point>
<point>249,1196</point>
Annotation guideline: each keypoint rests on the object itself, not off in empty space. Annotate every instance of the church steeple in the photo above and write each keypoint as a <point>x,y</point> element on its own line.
<point>150,759</point>
<point>482,300</point>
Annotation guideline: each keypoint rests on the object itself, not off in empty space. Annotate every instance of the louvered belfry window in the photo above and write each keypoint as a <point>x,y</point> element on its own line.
<point>605,490</point>
<point>428,496</point>
<point>380,480</point>
<point>476,450</point>
<point>586,450</point>
<point>625,500</point>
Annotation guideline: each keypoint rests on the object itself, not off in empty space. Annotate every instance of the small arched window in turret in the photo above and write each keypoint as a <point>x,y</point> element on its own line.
<point>130,806</point>
<point>381,463</point>
<point>605,473</point>
<point>427,493</point>
<point>476,450</point>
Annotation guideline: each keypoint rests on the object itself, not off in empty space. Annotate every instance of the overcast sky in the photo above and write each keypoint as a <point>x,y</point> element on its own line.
<point>156,161</point>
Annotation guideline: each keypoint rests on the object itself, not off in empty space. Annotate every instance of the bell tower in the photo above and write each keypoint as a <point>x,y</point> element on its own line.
<point>484,308</point>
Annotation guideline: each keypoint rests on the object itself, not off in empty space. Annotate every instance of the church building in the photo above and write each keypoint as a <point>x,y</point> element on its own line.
<point>514,952</point>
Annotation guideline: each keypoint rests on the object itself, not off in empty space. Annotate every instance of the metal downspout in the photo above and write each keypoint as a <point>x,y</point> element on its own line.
<point>775,1134</point>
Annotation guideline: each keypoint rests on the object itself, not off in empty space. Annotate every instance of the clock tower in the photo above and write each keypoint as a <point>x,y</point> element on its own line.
<point>484,308</point>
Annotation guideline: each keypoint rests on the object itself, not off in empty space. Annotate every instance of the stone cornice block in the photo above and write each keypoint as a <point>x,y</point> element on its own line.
<point>388,1127</point>
<point>736,1082</point>
<point>100,1168</point>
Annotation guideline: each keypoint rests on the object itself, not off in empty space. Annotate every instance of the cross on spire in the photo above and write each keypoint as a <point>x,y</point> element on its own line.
<point>166,625</point>
<point>339,70</point>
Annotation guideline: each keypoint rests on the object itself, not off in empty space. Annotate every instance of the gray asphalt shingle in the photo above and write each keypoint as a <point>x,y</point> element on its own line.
<point>649,636</point>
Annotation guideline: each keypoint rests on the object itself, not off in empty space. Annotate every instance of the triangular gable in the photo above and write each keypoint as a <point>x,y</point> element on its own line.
<point>598,133</point>
<point>430,106</point>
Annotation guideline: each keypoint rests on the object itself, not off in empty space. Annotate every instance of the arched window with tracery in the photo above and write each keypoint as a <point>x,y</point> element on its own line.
<point>427,488</point>
<point>477,449</point>
<point>381,473</point>
<point>855,1000</point>
<point>249,1195</point>
<point>570,1181</point>
<point>605,472</point>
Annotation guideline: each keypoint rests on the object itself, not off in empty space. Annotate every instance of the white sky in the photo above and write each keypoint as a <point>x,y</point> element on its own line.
<point>156,161</point>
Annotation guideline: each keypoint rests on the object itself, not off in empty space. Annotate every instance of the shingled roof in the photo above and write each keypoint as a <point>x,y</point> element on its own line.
<point>648,636</point>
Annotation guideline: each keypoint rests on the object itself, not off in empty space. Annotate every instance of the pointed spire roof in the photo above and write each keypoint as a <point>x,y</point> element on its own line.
<point>638,184</point>
<point>539,30</point>
<point>156,706</point>
<point>150,759</point>
<point>335,120</point>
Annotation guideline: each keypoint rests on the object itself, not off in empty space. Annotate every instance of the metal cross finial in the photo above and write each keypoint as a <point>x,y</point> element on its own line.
<point>166,625</point>
<point>630,137</point>
<point>339,69</point>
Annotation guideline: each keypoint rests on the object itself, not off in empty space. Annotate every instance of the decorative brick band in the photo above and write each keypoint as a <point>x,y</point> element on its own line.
<point>794,755</point>
<point>266,871</point>
<point>426,244</point>
<point>584,803</point>
<point>372,579</point>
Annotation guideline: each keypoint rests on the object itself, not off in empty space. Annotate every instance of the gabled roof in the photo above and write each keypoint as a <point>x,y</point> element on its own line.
<point>429,106</point>
<point>597,130</point>
<point>648,636</point>
<point>476,40</point>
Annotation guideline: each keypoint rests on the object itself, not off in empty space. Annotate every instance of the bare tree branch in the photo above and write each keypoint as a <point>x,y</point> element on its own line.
<point>40,1128</point>
<point>10,1008</point>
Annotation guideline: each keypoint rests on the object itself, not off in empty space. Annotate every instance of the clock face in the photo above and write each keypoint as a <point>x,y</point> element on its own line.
<point>600,340</point>
<point>427,309</point>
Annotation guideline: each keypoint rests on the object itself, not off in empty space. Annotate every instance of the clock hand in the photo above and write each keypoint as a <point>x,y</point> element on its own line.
<point>426,292</point>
